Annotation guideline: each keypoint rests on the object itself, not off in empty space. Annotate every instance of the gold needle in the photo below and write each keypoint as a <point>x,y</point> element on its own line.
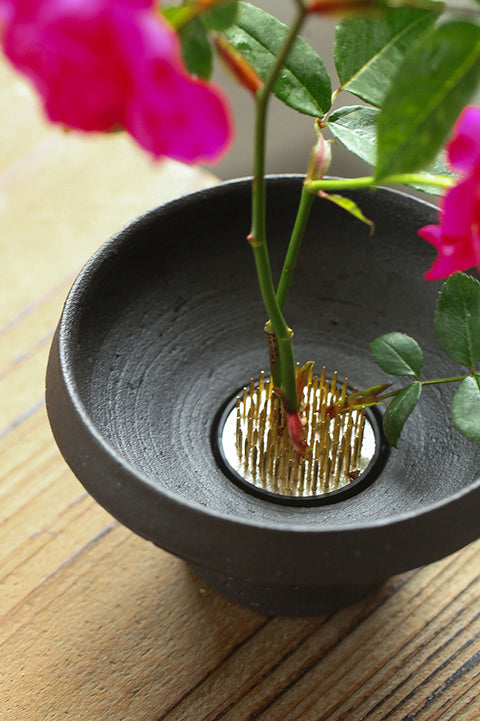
<point>334,445</point>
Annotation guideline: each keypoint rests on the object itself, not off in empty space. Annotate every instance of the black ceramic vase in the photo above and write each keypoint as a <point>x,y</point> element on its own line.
<point>165,322</point>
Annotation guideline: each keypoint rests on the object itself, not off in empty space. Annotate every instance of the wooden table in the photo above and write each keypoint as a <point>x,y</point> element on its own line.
<point>98,624</point>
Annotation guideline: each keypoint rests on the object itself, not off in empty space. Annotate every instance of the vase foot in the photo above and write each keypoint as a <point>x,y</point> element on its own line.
<point>280,600</point>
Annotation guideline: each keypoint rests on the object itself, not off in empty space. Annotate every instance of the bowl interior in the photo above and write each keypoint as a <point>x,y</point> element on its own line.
<point>166,321</point>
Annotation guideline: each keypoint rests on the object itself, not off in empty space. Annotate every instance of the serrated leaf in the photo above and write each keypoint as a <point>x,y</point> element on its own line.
<point>220,17</point>
<point>399,410</point>
<point>356,127</point>
<point>196,50</point>
<point>397,353</point>
<point>466,408</point>
<point>369,50</point>
<point>457,319</point>
<point>347,204</point>
<point>304,83</point>
<point>421,107</point>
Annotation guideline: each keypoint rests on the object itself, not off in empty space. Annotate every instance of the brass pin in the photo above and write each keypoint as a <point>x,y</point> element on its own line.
<point>264,448</point>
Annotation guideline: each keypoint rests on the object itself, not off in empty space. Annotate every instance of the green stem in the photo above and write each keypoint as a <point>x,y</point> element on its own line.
<point>305,205</point>
<point>437,381</point>
<point>313,186</point>
<point>439,181</point>
<point>258,239</point>
<point>283,333</point>
<point>434,381</point>
<point>303,213</point>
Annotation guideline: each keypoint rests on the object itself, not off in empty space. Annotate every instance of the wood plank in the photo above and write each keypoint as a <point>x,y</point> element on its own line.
<point>32,328</point>
<point>272,662</point>
<point>156,632</point>
<point>299,653</point>
<point>465,707</point>
<point>385,649</point>
<point>112,184</point>
<point>343,667</point>
<point>63,194</point>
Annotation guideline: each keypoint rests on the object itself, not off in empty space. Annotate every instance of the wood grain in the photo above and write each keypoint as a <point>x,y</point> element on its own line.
<point>98,624</point>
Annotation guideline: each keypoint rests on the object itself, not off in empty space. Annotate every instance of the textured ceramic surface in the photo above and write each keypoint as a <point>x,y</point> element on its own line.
<point>165,321</point>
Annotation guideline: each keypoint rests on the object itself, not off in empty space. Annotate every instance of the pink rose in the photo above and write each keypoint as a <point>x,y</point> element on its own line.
<point>6,14</point>
<point>105,64</point>
<point>457,238</point>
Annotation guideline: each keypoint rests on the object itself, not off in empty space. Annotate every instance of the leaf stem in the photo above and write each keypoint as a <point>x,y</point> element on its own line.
<point>454,379</point>
<point>439,181</point>
<point>433,381</point>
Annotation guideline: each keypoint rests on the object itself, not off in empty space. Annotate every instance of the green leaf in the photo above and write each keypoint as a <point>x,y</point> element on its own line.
<point>466,408</point>
<point>220,17</point>
<point>399,410</point>
<point>457,319</point>
<point>196,50</point>
<point>356,127</point>
<point>438,167</point>
<point>304,83</point>
<point>397,353</point>
<point>347,204</point>
<point>369,50</point>
<point>432,86</point>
